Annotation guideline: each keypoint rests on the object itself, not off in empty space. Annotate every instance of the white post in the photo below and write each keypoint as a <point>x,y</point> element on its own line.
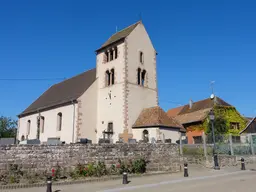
<point>181,149</point>
<point>251,143</point>
<point>204,144</point>
<point>231,144</point>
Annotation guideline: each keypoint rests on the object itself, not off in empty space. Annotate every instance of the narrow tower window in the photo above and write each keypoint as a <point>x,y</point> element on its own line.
<point>107,80</point>
<point>112,76</point>
<point>141,57</point>
<point>143,77</point>
<point>138,75</point>
<point>116,53</point>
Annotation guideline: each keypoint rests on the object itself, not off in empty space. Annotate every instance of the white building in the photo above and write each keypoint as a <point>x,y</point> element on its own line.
<point>118,99</point>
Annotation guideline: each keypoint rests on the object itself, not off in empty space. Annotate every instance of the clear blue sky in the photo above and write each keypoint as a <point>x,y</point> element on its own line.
<point>197,42</point>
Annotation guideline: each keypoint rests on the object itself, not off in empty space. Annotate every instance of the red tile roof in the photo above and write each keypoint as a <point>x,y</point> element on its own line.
<point>174,112</point>
<point>197,112</point>
<point>156,117</point>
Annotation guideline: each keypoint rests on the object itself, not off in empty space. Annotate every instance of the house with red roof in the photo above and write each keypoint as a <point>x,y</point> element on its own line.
<point>195,117</point>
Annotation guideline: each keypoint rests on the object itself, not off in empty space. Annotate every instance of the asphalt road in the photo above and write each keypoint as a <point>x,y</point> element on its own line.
<point>199,180</point>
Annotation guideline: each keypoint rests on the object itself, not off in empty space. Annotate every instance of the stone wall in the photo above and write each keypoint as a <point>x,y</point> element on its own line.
<point>161,157</point>
<point>223,160</point>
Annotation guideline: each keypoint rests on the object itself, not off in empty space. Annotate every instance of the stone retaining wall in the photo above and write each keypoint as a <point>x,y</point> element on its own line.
<point>224,160</point>
<point>36,158</point>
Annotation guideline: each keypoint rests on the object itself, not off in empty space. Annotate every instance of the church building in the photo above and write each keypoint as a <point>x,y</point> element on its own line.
<point>117,100</point>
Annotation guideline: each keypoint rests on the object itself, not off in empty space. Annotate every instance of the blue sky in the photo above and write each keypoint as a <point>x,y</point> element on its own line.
<point>197,42</point>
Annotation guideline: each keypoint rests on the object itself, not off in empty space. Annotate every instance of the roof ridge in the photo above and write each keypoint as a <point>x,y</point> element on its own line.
<point>126,28</point>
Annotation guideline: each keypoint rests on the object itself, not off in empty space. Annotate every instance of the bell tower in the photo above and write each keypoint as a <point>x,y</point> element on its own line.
<point>127,81</point>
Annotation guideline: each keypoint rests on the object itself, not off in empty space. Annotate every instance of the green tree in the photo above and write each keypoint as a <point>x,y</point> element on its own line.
<point>8,127</point>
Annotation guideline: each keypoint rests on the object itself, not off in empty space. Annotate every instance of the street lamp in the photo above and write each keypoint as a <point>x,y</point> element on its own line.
<point>216,164</point>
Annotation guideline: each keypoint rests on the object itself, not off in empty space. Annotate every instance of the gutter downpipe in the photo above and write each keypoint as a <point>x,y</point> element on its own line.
<point>73,132</point>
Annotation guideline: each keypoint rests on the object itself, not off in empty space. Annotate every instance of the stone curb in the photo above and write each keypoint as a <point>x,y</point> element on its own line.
<point>93,180</point>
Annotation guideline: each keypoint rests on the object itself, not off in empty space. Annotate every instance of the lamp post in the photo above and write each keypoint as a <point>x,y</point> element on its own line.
<point>216,164</point>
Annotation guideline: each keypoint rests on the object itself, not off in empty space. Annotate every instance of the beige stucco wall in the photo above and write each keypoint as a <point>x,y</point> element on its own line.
<point>157,134</point>
<point>137,133</point>
<point>168,133</point>
<point>50,124</point>
<point>111,110</point>
<point>140,97</point>
<point>88,113</point>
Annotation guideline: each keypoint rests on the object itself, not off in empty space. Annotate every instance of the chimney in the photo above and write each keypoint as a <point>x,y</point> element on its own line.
<point>190,104</point>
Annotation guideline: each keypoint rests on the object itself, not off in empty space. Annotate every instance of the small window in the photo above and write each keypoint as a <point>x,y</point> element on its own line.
<point>111,55</point>
<point>22,138</point>
<point>116,53</point>
<point>141,57</point>
<point>138,75</point>
<point>112,76</point>
<point>198,139</point>
<point>42,124</point>
<point>59,121</point>
<point>143,77</point>
<point>28,127</point>
<point>107,78</point>
<point>145,136</point>
<point>234,125</point>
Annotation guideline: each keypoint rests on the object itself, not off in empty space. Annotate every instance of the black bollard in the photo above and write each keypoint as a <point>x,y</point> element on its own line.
<point>216,164</point>
<point>242,164</point>
<point>49,184</point>
<point>185,170</point>
<point>125,178</point>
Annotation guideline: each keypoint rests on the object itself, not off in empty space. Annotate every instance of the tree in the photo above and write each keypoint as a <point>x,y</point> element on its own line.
<point>220,128</point>
<point>8,127</point>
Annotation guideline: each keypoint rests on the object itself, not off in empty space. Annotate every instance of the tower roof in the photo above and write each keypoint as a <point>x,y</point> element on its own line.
<point>120,35</point>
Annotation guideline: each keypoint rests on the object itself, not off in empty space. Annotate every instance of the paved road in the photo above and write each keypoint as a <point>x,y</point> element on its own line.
<point>200,180</point>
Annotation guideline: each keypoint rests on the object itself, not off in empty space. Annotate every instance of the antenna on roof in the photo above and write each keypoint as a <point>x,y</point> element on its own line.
<point>116,29</point>
<point>212,84</point>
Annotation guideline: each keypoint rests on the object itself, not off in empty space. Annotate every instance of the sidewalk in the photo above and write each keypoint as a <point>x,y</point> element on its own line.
<point>194,172</point>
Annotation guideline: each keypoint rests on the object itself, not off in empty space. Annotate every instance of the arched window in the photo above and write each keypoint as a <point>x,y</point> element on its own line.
<point>107,78</point>
<point>28,127</point>
<point>42,124</point>
<point>22,138</point>
<point>143,77</point>
<point>145,136</point>
<point>116,53</point>
<point>59,121</point>
<point>138,76</point>
<point>141,57</point>
<point>112,76</point>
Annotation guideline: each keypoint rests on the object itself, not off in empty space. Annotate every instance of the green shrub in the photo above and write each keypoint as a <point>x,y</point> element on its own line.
<point>139,166</point>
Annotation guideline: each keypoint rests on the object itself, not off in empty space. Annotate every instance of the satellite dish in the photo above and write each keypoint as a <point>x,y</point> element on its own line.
<point>212,96</point>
